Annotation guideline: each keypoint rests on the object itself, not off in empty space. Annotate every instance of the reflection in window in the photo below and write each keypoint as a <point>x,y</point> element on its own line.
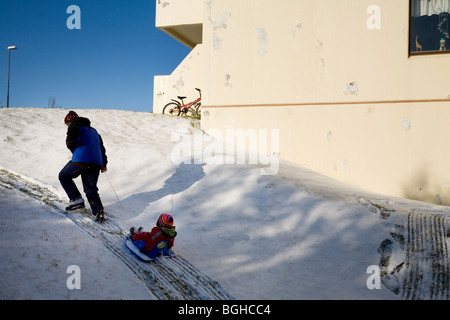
<point>429,26</point>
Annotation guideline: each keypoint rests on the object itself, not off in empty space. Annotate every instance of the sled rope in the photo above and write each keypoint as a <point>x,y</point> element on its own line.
<point>114,190</point>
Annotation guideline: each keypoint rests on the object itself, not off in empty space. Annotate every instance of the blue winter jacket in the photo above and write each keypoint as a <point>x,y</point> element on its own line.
<point>85,143</point>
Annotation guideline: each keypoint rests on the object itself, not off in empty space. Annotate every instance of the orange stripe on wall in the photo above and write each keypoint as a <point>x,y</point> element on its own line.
<point>326,103</point>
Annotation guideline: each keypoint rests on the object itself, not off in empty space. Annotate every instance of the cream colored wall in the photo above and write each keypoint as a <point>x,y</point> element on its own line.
<point>181,82</point>
<point>347,99</point>
<point>394,149</point>
<point>178,12</point>
<point>308,51</point>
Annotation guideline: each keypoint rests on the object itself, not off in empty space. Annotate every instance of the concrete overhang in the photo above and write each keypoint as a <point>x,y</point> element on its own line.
<point>181,19</point>
<point>189,34</point>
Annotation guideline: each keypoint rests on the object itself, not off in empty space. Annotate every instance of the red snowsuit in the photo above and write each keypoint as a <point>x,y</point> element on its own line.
<point>156,235</point>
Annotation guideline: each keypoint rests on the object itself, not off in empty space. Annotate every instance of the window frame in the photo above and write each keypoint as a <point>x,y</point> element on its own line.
<point>422,53</point>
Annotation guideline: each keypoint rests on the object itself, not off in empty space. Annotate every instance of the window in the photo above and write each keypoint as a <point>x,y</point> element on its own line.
<point>429,26</point>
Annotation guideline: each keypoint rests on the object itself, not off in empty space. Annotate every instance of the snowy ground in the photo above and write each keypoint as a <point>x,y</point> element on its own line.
<point>293,235</point>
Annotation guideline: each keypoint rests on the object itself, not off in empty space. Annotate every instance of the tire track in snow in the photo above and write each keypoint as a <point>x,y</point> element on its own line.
<point>415,263</point>
<point>427,258</point>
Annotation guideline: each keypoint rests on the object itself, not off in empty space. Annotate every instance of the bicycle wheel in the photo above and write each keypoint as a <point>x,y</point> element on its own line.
<point>172,109</point>
<point>189,112</point>
<point>198,107</point>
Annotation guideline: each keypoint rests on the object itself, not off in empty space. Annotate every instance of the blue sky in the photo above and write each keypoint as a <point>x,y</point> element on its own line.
<point>109,63</point>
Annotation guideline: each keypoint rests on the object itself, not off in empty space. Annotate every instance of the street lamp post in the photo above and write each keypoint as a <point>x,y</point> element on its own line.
<point>9,63</point>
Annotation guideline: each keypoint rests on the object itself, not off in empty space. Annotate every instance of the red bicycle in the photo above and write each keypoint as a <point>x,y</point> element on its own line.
<point>175,108</point>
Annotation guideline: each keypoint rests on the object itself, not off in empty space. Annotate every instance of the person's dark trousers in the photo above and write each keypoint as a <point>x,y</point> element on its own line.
<point>89,177</point>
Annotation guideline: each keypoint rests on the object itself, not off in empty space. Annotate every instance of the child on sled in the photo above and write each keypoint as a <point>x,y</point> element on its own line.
<point>161,238</point>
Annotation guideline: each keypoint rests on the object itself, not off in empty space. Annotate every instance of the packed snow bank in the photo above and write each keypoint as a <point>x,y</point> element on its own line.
<point>295,235</point>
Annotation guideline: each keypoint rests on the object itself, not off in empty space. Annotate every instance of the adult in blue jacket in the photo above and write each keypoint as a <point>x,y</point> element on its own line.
<point>88,159</point>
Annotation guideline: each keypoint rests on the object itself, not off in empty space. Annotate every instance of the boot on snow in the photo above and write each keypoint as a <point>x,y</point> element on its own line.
<point>133,230</point>
<point>75,204</point>
<point>100,216</point>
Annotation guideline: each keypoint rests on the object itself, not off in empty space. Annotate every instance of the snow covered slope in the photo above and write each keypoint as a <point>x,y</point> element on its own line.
<point>294,235</point>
